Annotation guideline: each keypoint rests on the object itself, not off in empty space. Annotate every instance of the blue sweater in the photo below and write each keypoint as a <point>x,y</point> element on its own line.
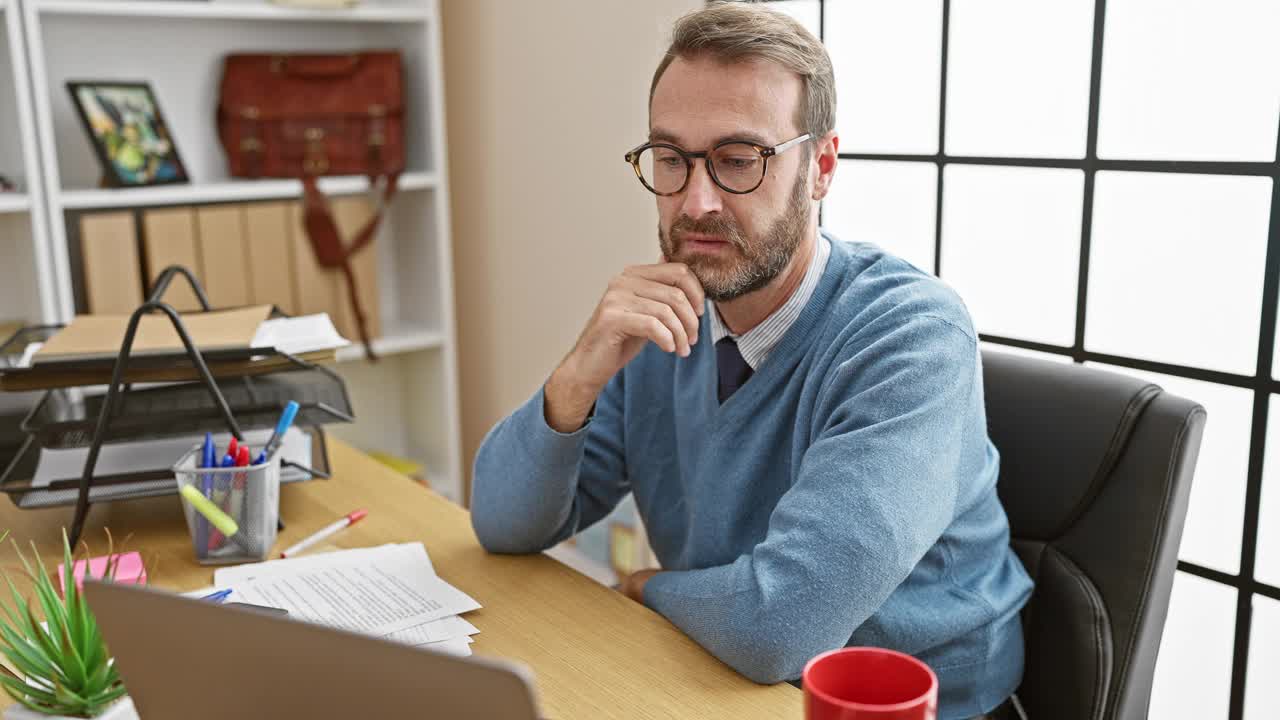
<point>845,495</point>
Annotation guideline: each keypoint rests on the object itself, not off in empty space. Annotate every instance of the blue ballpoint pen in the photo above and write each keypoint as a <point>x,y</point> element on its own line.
<point>277,436</point>
<point>222,484</point>
<point>218,596</point>
<point>207,460</point>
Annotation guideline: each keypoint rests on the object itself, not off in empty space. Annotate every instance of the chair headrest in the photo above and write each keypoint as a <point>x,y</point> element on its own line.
<point>1066,420</point>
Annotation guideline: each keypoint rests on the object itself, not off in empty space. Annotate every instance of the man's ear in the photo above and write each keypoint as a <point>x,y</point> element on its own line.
<point>825,158</point>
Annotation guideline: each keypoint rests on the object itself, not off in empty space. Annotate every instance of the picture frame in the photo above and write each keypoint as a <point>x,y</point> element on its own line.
<point>128,133</point>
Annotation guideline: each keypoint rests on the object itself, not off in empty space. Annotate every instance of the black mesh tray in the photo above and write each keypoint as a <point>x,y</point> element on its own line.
<point>16,481</point>
<point>66,418</point>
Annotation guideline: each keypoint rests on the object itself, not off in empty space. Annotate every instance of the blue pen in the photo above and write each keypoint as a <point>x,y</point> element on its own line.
<point>277,436</point>
<point>222,485</point>
<point>208,459</point>
<point>218,596</point>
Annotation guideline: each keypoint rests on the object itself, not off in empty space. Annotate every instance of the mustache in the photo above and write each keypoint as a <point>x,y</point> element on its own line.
<point>717,225</point>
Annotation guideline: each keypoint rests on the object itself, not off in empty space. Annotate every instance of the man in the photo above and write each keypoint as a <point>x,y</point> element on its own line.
<point>800,419</point>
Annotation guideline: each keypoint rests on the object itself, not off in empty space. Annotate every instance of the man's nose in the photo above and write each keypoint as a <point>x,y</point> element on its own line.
<point>701,195</point>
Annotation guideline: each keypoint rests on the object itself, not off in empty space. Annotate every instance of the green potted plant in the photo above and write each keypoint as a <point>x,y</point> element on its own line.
<point>65,669</point>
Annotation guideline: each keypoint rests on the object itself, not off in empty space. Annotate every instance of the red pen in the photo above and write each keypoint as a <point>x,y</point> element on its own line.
<point>347,521</point>
<point>236,496</point>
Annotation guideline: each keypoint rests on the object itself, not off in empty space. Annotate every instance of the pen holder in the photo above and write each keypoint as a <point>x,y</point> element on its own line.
<point>248,497</point>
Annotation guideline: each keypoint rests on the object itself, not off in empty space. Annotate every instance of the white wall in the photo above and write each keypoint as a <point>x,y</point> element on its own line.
<point>543,100</point>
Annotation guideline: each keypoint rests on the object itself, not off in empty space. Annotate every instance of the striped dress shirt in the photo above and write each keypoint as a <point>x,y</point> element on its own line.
<point>756,343</point>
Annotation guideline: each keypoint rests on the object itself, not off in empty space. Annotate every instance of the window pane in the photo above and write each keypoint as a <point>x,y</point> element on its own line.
<point>807,12</point>
<point>1193,672</point>
<point>1215,516</point>
<point>1267,566</point>
<point>1262,693</point>
<point>1190,80</point>
<point>1176,266</point>
<point>888,64</point>
<point>891,204</point>
<point>1011,248</point>
<point>1035,107</point>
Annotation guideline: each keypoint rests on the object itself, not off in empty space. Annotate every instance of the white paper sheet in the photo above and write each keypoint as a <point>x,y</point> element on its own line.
<point>297,335</point>
<point>460,647</point>
<point>450,628</point>
<point>409,552</point>
<point>377,591</point>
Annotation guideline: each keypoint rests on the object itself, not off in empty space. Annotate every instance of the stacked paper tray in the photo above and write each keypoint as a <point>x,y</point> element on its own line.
<point>41,477</point>
<point>67,418</point>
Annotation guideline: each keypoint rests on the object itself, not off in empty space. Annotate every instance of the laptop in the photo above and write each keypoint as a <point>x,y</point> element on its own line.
<point>186,658</point>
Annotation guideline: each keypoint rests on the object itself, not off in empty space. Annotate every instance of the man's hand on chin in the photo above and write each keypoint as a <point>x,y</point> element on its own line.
<point>633,585</point>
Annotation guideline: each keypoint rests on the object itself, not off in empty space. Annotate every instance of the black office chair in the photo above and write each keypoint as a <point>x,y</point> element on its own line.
<point>1095,474</point>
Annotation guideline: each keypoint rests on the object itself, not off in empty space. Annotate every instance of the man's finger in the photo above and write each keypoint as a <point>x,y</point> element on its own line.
<point>674,298</point>
<point>677,275</point>
<point>667,316</point>
<point>640,325</point>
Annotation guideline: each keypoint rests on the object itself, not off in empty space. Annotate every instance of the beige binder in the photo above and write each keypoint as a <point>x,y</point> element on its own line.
<point>169,236</point>
<point>223,255</point>
<point>271,266</point>
<point>317,289</point>
<point>99,336</point>
<point>351,214</point>
<point>112,273</point>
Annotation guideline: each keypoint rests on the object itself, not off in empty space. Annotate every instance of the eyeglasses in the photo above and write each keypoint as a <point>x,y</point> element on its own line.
<point>735,166</point>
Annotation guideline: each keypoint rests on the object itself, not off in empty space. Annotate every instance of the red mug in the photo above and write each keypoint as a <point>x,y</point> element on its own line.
<point>865,683</point>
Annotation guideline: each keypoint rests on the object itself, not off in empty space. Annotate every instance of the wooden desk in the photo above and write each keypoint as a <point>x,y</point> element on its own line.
<point>595,653</point>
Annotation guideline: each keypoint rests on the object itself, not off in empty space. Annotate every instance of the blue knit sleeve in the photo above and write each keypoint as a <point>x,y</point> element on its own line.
<point>875,490</point>
<point>534,487</point>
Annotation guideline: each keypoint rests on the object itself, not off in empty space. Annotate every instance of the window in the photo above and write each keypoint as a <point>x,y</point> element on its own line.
<point>1129,198</point>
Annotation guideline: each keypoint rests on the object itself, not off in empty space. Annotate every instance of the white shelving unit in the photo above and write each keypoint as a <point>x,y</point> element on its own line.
<point>407,403</point>
<point>24,257</point>
<point>14,203</point>
<point>229,191</point>
<point>385,12</point>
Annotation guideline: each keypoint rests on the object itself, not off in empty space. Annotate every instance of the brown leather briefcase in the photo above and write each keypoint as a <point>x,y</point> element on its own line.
<point>308,115</point>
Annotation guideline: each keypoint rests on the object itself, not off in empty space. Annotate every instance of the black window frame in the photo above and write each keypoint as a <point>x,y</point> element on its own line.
<point>1261,382</point>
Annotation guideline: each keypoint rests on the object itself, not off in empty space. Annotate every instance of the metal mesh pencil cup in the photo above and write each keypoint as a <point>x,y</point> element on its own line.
<point>249,495</point>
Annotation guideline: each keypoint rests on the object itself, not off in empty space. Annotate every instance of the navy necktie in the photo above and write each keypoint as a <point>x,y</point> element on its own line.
<point>734,371</point>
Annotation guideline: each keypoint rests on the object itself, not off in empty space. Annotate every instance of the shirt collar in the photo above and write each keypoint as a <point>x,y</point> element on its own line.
<point>756,343</point>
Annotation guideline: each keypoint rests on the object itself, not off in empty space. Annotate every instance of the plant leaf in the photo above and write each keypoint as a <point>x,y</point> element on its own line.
<point>115,693</point>
<point>99,680</point>
<point>48,596</point>
<point>16,614</point>
<point>40,640</point>
<point>46,703</point>
<point>31,633</point>
<point>70,699</point>
<point>31,691</point>
<point>27,656</point>
<point>56,614</point>
<point>33,642</point>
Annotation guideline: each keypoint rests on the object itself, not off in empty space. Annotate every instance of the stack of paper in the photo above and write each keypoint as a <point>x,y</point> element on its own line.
<point>299,335</point>
<point>391,591</point>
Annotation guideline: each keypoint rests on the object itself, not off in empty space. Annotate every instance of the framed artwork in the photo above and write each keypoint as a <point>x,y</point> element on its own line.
<point>128,133</point>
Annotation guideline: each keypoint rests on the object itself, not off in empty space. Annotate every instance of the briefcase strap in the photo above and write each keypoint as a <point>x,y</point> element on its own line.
<point>330,251</point>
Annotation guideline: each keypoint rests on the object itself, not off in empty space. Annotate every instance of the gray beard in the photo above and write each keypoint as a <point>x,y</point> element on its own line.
<point>761,260</point>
